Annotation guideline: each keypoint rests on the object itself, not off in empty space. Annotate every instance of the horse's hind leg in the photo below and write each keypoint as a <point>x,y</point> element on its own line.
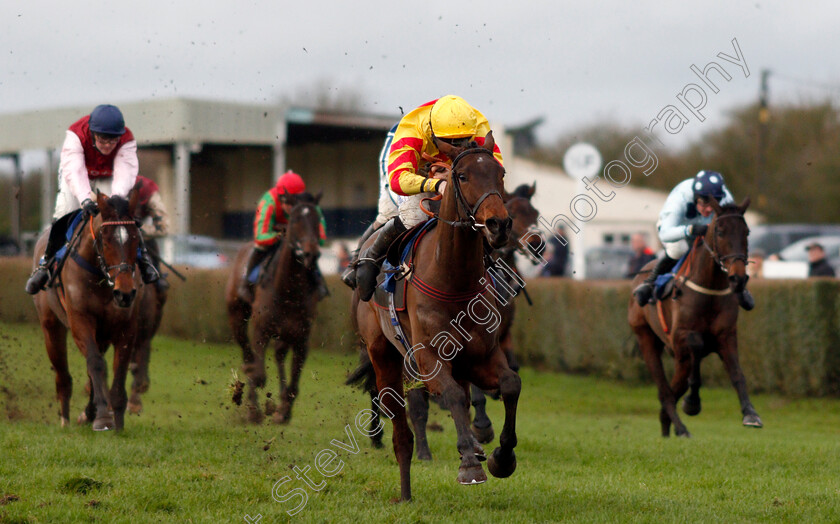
<point>728,351</point>
<point>281,349</point>
<point>388,364</point>
<point>482,427</point>
<point>418,410</point>
<point>55,335</point>
<point>300,350</point>
<point>651,348</point>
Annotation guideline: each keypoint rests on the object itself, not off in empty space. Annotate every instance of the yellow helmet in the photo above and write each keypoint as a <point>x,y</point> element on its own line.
<point>453,117</point>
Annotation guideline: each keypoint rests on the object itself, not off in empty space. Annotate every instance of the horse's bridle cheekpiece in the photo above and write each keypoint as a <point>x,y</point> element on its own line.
<point>713,250</point>
<point>459,195</point>
<point>122,267</point>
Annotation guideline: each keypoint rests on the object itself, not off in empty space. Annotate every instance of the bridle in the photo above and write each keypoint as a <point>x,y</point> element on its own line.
<point>123,266</point>
<point>463,205</point>
<point>295,244</point>
<point>713,249</point>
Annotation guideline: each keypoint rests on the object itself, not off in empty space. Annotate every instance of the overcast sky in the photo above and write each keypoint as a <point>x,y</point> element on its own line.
<point>570,62</point>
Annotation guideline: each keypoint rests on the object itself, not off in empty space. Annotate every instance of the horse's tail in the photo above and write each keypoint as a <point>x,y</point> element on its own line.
<point>363,376</point>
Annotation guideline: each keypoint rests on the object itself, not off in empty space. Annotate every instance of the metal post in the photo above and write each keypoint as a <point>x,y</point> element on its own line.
<point>49,188</point>
<point>16,195</point>
<point>761,157</point>
<point>182,188</point>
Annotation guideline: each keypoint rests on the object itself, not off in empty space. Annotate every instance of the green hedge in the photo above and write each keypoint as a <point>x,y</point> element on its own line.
<point>789,344</point>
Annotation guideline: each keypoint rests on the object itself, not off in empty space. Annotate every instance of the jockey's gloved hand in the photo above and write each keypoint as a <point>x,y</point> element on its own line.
<point>90,207</point>
<point>699,230</point>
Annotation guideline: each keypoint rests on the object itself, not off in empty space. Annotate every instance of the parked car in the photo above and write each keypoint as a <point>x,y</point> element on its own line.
<point>8,247</point>
<point>772,238</point>
<point>793,260</point>
<point>196,251</point>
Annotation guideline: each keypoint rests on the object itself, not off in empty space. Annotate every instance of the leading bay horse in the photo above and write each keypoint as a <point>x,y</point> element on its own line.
<point>285,300</point>
<point>97,296</point>
<point>453,337</point>
<point>700,318</point>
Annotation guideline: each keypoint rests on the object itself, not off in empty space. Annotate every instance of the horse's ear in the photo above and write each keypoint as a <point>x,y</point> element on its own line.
<point>744,205</point>
<point>318,197</point>
<point>445,148</point>
<point>101,199</point>
<point>134,198</point>
<point>532,189</point>
<point>489,141</point>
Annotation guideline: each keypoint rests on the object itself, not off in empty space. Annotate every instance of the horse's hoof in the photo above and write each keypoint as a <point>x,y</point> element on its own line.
<point>691,408</point>
<point>683,433</point>
<point>499,466</point>
<point>64,421</point>
<point>752,421</point>
<point>377,444</point>
<point>483,435</point>
<point>281,418</point>
<point>104,424</point>
<point>83,419</point>
<point>135,408</point>
<point>255,416</point>
<point>424,454</point>
<point>471,475</point>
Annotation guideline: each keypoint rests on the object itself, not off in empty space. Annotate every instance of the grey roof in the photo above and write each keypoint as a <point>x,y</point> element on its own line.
<point>160,122</point>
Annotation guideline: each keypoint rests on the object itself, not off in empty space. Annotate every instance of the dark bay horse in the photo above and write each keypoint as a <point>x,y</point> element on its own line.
<point>97,296</point>
<point>453,337</point>
<point>700,318</point>
<point>284,305</point>
<point>151,313</point>
<point>524,216</point>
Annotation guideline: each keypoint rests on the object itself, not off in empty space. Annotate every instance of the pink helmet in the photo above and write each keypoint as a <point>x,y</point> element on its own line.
<point>291,182</point>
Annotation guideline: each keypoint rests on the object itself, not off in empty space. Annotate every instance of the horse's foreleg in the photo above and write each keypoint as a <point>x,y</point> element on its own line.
<point>99,407</point>
<point>497,374</point>
<point>482,427</point>
<point>139,367</point>
<point>418,410</point>
<point>728,351</point>
<point>119,397</point>
<point>55,335</point>
<point>691,402</point>
<point>281,349</point>
<point>455,399</point>
<point>255,371</point>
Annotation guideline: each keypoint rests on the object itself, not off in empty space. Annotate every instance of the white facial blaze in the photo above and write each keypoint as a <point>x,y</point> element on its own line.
<point>121,235</point>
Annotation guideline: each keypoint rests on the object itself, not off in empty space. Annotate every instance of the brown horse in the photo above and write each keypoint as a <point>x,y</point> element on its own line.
<point>284,305</point>
<point>453,338</point>
<point>97,295</point>
<point>151,313</point>
<point>526,239</point>
<point>700,318</point>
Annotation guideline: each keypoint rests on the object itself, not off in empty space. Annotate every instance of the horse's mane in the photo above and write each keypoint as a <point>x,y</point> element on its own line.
<point>728,208</point>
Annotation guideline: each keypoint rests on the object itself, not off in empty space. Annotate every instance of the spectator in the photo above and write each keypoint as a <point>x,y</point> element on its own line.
<point>342,256</point>
<point>556,265</point>
<point>819,266</point>
<point>642,254</point>
<point>755,266</point>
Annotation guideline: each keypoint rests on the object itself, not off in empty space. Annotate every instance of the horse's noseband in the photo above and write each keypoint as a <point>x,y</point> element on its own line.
<point>123,266</point>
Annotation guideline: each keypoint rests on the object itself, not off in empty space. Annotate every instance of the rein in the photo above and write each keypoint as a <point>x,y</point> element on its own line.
<point>470,220</point>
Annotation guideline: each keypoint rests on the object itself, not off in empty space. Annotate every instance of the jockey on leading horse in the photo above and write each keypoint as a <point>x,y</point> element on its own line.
<point>269,228</point>
<point>685,216</point>
<point>99,153</point>
<point>402,182</point>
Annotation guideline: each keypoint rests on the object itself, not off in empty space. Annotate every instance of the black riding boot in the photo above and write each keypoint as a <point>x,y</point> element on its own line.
<point>746,300</point>
<point>41,275</point>
<point>148,272</point>
<point>370,260</point>
<point>644,291</point>
<point>246,291</point>
<point>319,282</point>
<point>349,275</point>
